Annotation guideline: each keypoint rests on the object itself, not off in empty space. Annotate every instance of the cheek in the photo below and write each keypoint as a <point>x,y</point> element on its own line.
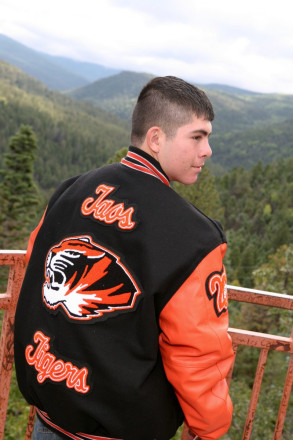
<point>177,160</point>
<point>186,159</point>
<point>181,155</point>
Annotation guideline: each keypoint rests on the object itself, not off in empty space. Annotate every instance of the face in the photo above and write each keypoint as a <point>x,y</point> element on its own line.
<point>182,156</point>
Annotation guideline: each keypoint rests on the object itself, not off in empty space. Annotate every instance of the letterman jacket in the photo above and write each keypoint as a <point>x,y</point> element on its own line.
<point>121,324</point>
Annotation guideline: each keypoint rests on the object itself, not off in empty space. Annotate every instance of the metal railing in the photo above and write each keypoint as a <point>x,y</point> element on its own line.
<point>8,300</point>
<point>263,341</point>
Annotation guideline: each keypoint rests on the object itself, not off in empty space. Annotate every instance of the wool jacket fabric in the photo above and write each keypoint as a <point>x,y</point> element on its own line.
<point>121,325</point>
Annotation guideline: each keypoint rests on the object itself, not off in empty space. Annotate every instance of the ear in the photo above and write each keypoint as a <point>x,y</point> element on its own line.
<point>154,139</point>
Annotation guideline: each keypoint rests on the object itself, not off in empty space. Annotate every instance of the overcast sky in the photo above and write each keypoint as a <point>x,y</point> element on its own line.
<point>247,44</point>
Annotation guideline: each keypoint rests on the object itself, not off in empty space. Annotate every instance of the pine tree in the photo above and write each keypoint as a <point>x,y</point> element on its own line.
<point>118,155</point>
<point>19,195</point>
<point>203,194</point>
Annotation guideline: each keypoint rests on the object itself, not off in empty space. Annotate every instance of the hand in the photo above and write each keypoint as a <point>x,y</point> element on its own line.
<point>188,435</point>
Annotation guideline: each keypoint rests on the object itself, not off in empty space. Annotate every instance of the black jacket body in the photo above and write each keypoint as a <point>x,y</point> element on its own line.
<point>113,382</point>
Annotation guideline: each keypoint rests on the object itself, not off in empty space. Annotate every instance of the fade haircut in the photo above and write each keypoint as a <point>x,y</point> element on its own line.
<point>168,102</point>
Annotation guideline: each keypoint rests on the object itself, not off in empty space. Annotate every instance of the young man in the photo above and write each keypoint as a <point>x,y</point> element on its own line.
<point>121,325</point>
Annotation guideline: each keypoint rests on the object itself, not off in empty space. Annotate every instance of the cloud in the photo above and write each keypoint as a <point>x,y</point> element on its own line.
<point>247,44</point>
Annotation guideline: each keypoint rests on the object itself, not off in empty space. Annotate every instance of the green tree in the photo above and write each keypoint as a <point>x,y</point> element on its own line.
<point>203,194</point>
<point>118,155</point>
<point>277,274</point>
<point>19,195</point>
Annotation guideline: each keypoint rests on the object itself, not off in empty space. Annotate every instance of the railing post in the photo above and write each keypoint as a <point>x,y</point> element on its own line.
<point>255,393</point>
<point>285,399</point>
<point>30,423</point>
<point>8,302</point>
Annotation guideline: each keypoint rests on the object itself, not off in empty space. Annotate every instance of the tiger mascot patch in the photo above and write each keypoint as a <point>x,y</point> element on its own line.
<point>87,281</point>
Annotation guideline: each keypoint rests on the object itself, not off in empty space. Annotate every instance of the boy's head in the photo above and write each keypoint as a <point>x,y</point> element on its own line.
<point>168,102</point>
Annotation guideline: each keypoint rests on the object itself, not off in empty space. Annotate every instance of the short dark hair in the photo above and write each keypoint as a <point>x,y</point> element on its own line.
<point>169,103</point>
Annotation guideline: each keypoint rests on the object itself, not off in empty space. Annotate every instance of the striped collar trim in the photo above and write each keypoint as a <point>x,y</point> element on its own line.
<point>143,162</point>
<point>79,436</point>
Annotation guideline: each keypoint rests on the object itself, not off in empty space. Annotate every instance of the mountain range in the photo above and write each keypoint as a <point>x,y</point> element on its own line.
<point>81,114</point>
<point>62,73</point>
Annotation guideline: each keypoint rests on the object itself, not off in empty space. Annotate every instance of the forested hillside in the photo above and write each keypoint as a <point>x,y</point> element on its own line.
<point>258,217</point>
<point>73,137</point>
<point>245,148</point>
<point>248,127</point>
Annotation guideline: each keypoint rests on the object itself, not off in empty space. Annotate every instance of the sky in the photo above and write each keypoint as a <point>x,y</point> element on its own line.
<point>246,44</point>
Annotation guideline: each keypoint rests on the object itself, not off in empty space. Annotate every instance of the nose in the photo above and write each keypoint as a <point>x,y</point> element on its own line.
<point>207,151</point>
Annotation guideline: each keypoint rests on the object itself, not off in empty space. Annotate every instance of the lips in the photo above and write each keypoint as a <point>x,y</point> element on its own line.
<point>198,167</point>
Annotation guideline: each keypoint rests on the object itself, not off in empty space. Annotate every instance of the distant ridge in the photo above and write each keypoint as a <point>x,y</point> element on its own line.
<point>38,66</point>
<point>116,94</point>
<point>125,83</point>
<point>228,89</point>
<point>57,73</point>
<point>89,71</point>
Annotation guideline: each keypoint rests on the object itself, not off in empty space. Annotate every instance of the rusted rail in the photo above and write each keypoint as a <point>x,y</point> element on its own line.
<point>262,341</point>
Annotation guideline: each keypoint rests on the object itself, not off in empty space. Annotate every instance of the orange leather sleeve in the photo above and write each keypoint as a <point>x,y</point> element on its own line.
<point>197,349</point>
<point>32,239</point>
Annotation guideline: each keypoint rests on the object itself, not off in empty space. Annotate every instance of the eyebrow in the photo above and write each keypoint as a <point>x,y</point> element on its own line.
<point>203,132</point>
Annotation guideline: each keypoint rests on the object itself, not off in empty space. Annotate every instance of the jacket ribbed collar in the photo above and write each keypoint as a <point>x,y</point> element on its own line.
<point>139,160</point>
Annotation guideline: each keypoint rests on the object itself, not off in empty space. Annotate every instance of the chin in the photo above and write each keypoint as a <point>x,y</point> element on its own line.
<point>190,181</point>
